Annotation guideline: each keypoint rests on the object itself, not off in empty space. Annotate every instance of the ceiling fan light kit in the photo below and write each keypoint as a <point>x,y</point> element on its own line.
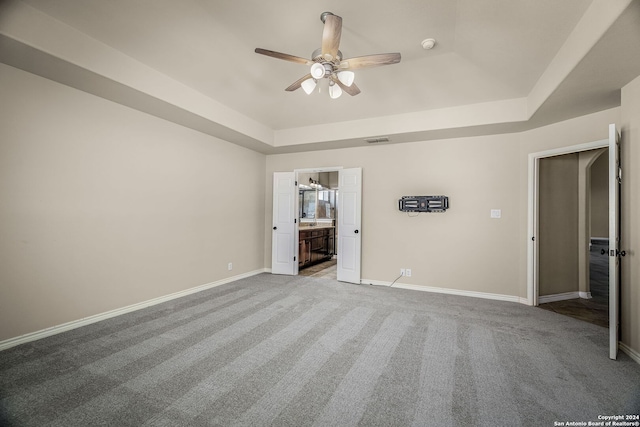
<point>346,77</point>
<point>318,71</point>
<point>327,63</point>
<point>334,90</point>
<point>308,86</point>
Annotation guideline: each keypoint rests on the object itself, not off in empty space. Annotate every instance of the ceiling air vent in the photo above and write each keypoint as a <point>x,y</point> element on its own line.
<point>378,139</point>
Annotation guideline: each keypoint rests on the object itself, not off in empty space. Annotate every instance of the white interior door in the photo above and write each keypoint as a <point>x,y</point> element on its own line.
<point>615,174</point>
<point>349,223</point>
<point>283,254</point>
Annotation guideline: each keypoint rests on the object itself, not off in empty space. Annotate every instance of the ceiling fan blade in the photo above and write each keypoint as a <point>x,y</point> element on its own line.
<point>370,61</point>
<point>296,85</point>
<point>352,90</point>
<point>284,56</point>
<point>331,36</point>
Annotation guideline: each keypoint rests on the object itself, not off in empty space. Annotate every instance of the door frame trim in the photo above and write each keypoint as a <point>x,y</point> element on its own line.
<point>532,209</point>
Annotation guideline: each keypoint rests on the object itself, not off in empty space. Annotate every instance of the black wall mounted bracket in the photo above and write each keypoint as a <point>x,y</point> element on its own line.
<point>423,204</point>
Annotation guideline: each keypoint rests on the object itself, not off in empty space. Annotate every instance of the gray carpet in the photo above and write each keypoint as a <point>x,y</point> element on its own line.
<point>285,351</point>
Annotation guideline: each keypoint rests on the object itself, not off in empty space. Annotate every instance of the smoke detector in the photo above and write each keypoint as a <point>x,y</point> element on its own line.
<point>428,44</point>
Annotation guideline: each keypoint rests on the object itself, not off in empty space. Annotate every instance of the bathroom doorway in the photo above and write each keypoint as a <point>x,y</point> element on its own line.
<point>286,239</point>
<point>318,195</point>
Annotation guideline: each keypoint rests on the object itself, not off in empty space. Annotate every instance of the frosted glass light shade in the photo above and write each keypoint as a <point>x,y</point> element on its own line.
<point>317,70</point>
<point>346,77</point>
<point>335,91</point>
<point>308,86</point>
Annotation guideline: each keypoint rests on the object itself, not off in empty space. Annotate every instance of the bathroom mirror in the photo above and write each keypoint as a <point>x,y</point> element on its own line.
<point>326,204</point>
<point>317,198</point>
<point>307,204</point>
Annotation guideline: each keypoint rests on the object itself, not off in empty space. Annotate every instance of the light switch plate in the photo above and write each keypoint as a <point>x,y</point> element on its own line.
<point>496,213</point>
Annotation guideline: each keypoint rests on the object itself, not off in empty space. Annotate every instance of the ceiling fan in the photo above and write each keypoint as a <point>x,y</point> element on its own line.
<point>327,62</point>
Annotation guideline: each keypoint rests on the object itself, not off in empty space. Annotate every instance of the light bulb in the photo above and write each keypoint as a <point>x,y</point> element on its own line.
<point>346,77</point>
<point>308,86</point>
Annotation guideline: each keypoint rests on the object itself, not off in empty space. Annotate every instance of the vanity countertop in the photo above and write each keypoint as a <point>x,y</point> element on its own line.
<point>315,227</point>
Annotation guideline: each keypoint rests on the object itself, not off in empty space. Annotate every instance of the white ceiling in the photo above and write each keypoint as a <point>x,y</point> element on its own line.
<point>487,51</point>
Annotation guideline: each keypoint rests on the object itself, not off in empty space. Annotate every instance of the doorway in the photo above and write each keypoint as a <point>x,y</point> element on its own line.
<point>318,195</point>
<point>286,244</point>
<point>615,253</point>
<point>573,232</point>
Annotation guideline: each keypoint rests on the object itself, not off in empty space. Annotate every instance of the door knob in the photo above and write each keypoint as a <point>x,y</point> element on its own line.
<point>622,253</point>
<point>356,231</point>
<point>275,228</point>
<point>602,252</point>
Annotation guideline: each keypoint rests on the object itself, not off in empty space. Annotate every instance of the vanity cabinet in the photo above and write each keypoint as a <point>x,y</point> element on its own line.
<point>316,244</point>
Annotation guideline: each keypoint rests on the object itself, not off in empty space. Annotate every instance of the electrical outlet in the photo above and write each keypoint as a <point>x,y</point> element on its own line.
<point>402,272</point>
<point>230,266</point>
<point>408,272</point>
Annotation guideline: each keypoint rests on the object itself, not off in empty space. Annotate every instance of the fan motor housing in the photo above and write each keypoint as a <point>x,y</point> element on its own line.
<point>316,56</point>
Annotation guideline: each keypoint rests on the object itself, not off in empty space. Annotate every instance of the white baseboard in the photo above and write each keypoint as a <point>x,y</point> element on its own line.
<point>33,336</point>
<point>564,296</point>
<point>629,352</point>
<point>542,299</point>
<point>474,294</point>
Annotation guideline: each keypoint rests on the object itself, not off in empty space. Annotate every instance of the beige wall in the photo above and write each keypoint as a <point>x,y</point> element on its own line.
<point>103,206</point>
<point>450,249</point>
<point>558,224</point>
<point>463,248</point>
<point>586,160</point>
<point>599,197</point>
<point>630,215</point>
